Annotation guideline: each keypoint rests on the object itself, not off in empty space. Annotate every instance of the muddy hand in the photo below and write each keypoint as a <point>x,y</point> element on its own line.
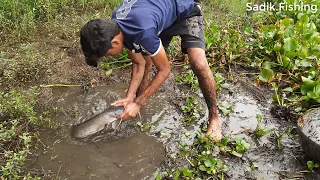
<point>131,110</point>
<point>214,130</point>
<point>122,102</point>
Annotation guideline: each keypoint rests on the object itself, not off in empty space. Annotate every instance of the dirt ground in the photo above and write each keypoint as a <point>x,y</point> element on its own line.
<point>129,153</point>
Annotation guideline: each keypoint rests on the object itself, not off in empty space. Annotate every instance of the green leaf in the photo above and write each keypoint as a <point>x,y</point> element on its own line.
<point>304,19</point>
<point>185,109</point>
<point>293,98</point>
<point>306,80</point>
<point>190,77</point>
<point>290,44</point>
<point>190,100</point>
<point>308,86</point>
<point>235,153</point>
<point>265,75</point>
<point>310,164</point>
<point>246,145</point>
<point>262,132</point>
<point>303,63</point>
<point>108,72</point>
<point>277,47</point>
<point>177,174</point>
<point>208,163</point>
<point>288,89</point>
<point>158,177</point>
<point>304,52</point>
<point>316,49</point>
<point>186,172</point>
<point>259,118</point>
<point>202,168</point>
<point>287,62</point>
<point>300,15</point>
<point>224,141</point>
<point>289,32</point>
<point>286,22</point>
<point>298,109</point>
<point>315,94</point>
<point>248,30</point>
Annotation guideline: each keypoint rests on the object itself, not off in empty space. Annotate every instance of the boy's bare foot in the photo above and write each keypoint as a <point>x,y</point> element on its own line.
<point>214,130</point>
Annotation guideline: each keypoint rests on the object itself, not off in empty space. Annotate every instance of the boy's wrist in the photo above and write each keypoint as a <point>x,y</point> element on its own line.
<point>138,102</point>
<point>131,97</point>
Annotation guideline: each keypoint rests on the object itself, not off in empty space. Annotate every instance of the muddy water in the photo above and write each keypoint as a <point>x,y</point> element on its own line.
<point>116,154</point>
<point>129,154</point>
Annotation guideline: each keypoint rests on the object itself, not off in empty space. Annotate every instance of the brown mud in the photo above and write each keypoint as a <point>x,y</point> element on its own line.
<point>129,154</point>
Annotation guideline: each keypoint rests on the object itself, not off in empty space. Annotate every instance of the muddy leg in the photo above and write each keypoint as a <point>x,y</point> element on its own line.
<point>146,77</point>
<point>207,84</point>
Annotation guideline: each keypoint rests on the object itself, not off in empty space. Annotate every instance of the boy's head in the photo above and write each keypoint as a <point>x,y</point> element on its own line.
<point>100,38</point>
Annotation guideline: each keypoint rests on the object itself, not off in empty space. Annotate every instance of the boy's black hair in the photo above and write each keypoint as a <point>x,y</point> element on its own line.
<point>95,39</point>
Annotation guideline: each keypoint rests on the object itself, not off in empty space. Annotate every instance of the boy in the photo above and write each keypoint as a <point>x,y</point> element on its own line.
<point>145,28</point>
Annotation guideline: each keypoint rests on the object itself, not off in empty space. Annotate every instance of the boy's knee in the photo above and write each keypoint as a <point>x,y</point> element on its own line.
<point>197,58</point>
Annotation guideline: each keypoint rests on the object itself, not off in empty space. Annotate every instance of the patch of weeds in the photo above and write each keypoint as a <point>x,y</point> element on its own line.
<point>226,45</point>
<point>117,62</point>
<point>144,126</point>
<point>203,163</point>
<point>14,160</point>
<point>311,166</point>
<point>19,19</point>
<point>191,111</point>
<point>174,50</point>
<point>281,135</point>
<point>189,79</point>
<point>219,80</point>
<point>17,117</point>
<point>225,108</point>
<point>259,132</point>
<point>26,67</point>
<point>289,52</point>
<point>283,47</point>
<point>235,147</point>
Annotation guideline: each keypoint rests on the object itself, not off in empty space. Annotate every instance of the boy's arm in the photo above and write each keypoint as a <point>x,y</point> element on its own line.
<point>137,72</point>
<point>163,70</point>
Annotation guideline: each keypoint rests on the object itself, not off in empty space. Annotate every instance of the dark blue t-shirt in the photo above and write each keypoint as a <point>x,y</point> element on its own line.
<point>141,21</point>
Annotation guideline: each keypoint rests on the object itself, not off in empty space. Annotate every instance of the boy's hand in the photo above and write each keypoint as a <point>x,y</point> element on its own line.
<point>122,102</point>
<point>131,110</point>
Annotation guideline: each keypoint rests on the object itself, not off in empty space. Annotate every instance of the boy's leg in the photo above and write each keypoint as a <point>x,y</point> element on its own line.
<point>193,43</point>
<point>191,32</point>
<point>201,69</point>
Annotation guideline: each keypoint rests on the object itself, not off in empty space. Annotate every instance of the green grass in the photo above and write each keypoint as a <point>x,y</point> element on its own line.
<point>17,116</point>
<point>31,32</point>
<point>20,18</point>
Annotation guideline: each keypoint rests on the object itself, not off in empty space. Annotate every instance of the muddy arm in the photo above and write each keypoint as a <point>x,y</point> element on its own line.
<point>137,73</point>
<point>163,70</point>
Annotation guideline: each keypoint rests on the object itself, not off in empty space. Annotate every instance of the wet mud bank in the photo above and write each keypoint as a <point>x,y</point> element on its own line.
<point>131,154</point>
<point>309,129</point>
